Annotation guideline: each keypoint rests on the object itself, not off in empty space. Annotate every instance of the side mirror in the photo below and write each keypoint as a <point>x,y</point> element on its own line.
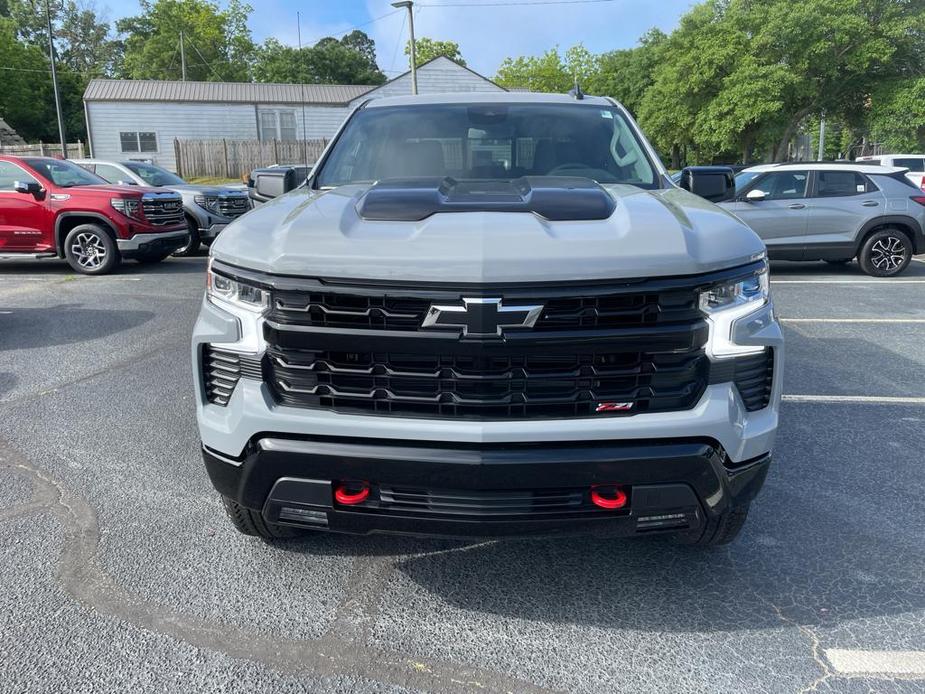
<point>27,187</point>
<point>714,183</point>
<point>755,196</point>
<point>273,181</point>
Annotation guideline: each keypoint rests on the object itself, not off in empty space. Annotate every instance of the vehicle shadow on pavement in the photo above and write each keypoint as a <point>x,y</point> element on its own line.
<point>7,379</point>
<point>28,328</point>
<point>58,268</point>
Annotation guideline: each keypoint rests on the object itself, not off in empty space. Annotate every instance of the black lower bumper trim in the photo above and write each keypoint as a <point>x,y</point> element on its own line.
<point>485,491</point>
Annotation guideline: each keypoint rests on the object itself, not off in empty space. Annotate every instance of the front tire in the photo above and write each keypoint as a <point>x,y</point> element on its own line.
<point>717,531</point>
<point>90,250</point>
<point>191,247</point>
<point>885,253</point>
<point>251,522</point>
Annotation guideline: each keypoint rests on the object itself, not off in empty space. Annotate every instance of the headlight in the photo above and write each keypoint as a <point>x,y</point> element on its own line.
<point>234,292</point>
<point>209,202</point>
<point>130,207</point>
<point>726,302</point>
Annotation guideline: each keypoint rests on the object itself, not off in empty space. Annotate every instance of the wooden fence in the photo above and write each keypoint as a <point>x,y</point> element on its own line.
<point>75,150</point>
<point>236,158</point>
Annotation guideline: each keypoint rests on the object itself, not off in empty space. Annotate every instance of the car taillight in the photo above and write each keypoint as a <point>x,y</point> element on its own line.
<point>920,199</point>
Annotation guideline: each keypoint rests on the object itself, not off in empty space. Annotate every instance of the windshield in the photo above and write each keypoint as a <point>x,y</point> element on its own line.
<point>487,141</point>
<point>154,175</point>
<point>64,174</point>
<point>743,178</point>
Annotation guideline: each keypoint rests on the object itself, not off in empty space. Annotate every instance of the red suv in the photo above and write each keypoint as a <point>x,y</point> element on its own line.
<point>52,208</point>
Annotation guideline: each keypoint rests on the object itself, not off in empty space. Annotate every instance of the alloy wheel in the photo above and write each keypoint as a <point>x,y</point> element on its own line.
<point>888,253</point>
<point>89,251</point>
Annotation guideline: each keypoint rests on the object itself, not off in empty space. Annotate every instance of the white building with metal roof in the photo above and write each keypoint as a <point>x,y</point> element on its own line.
<point>140,119</point>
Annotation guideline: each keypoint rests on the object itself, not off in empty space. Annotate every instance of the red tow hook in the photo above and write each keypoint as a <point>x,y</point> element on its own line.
<point>608,496</point>
<point>351,493</point>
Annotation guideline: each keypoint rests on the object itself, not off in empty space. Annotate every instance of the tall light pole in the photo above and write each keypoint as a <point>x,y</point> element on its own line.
<point>414,58</point>
<point>821,137</point>
<point>54,81</point>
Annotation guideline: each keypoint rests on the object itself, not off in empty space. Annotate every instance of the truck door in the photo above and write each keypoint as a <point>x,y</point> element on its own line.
<point>23,217</point>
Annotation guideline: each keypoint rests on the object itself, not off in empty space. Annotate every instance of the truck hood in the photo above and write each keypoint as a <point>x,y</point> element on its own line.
<point>650,233</point>
<point>208,190</point>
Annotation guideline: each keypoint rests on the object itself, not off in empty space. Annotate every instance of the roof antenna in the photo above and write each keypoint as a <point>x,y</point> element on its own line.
<point>575,92</point>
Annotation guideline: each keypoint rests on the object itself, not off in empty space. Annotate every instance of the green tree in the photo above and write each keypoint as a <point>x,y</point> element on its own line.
<point>426,49</point>
<point>626,74</point>
<point>350,60</point>
<point>217,42</point>
<point>551,72</point>
<point>26,93</point>
<point>897,115</point>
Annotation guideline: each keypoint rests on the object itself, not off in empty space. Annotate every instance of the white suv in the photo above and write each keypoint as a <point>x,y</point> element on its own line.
<point>914,162</point>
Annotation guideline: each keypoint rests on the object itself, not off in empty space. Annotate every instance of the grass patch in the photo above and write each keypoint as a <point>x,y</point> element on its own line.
<point>213,180</point>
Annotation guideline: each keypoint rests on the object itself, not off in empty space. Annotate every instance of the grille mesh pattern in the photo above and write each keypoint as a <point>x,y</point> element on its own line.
<point>163,212</point>
<point>406,313</point>
<point>233,207</point>
<point>551,385</point>
<point>544,502</point>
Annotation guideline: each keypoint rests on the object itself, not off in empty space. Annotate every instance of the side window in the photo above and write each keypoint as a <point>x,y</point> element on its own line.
<point>783,185</point>
<point>834,184</point>
<point>10,173</point>
<point>912,163</point>
<point>110,173</point>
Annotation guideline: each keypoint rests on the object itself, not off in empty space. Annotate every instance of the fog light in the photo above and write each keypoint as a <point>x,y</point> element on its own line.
<point>608,496</point>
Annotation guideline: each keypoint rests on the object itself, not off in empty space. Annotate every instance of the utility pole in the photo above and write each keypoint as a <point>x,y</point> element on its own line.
<point>408,4</point>
<point>821,137</point>
<point>54,81</point>
<point>182,58</point>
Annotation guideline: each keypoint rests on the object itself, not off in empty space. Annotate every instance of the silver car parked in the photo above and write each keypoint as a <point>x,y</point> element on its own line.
<point>208,208</point>
<point>834,212</point>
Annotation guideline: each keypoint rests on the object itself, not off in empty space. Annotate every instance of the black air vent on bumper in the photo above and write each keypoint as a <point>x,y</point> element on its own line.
<point>221,370</point>
<point>753,377</point>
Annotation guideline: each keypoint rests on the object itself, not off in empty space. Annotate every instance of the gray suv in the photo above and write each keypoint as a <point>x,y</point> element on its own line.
<point>834,212</point>
<point>484,315</point>
<point>208,208</point>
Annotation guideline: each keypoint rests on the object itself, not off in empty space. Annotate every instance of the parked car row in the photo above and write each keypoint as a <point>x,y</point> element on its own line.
<point>94,214</point>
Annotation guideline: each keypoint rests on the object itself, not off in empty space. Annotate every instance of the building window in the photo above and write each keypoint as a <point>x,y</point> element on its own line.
<point>138,141</point>
<point>278,125</point>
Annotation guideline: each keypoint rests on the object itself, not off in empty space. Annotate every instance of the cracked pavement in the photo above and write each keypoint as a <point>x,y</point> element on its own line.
<point>120,573</point>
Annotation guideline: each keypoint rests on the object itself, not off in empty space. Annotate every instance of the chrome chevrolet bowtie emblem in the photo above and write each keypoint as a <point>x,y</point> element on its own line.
<point>481,317</point>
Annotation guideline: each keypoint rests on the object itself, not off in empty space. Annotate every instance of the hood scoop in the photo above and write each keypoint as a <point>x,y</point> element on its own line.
<point>556,198</point>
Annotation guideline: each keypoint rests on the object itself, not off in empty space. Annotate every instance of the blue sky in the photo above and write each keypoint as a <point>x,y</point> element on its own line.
<point>486,35</point>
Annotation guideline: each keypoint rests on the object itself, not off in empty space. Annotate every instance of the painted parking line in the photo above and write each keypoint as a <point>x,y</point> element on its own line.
<point>852,320</point>
<point>852,662</point>
<point>835,281</point>
<point>866,399</point>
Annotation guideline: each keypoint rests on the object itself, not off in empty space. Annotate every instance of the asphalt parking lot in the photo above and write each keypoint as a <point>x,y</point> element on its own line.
<point>119,573</point>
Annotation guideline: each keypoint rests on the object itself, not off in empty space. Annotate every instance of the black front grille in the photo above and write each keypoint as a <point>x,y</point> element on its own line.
<point>507,503</point>
<point>223,368</point>
<point>163,212</point>
<point>573,384</point>
<point>233,207</point>
<point>596,349</point>
<point>597,309</point>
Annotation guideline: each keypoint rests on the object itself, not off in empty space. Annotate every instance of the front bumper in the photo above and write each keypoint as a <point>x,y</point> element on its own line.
<point>157,242</point>
<point>212,231</point>
<point>486,491</point>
